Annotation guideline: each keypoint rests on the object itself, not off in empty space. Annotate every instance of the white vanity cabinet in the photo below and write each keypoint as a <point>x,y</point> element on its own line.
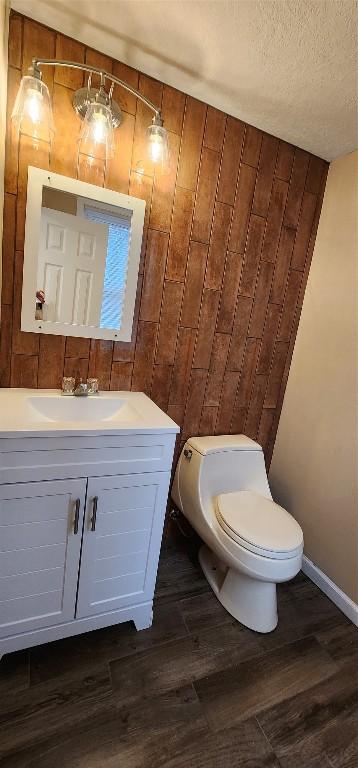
<point>40,545</point>
<point>123,525</point>
<point>81,521</point>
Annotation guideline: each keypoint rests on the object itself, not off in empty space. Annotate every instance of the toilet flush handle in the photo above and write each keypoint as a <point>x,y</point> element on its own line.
<point>188,453</point>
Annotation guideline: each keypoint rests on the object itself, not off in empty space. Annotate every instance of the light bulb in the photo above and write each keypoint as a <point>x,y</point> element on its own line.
<point>155,148</point>
<point>32,113</point>
<point>33,105</point>
<point>158,150</point>
<point>99,127</point>
<point>96,137</point>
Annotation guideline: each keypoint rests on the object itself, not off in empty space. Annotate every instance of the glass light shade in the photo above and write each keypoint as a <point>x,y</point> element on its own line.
<point>96,138</point>
<point>91,169</point>
<point>32,113</point>
<point>158,148</point>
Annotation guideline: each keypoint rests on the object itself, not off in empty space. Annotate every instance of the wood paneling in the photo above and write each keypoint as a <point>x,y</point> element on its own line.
<point>205,195</point>
<point>71,50</point>
<point>218,244</point>
<point>234,138</point>
<point>192,137</point>
<point>252,146</point>
<point>180,234</point>
<point>193,284</point>
<point>297,186</point>
<point>173,105</point>
<point>11,144</point>
<point>126,100</point>
<point>161,385</point>
<point>228,241</point>
<point>195,402</point>
<point>15,41</point>
<point>8,253</point>
<point>182,366</point>
<point>100,361</point>
<point>284,161</point>
<point>169,322</point>
<point>5,344</point>
<point>276,373</point>
<point>51,361</point>
<point>239,333</point>
<point>252,255</point>
<point>232,276</point>
<point>230,382</point>
<point>264,181</point>
<point>262,293</point>
<point>289,305</point>
<point>121,375</point>
<point>304,230</point>
<point>242,209</point>
<point>248,372</point>
<point>206,330</point>
<point>274,219</point>
<point>268,338</point>
<point>155,260</point>
<point>144,357</point>
<point>214,129</point>
<point>218,360</point>
<point>282,264</point>
<point>40,42</point>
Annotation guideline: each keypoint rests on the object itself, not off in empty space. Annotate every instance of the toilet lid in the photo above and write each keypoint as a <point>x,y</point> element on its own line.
<point>259,524</point>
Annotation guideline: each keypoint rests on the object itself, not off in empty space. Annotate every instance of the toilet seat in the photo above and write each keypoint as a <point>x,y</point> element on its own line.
<point>259,524</point>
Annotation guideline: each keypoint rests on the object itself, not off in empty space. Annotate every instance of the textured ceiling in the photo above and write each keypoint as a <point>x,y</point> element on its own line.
<point>286,66</point>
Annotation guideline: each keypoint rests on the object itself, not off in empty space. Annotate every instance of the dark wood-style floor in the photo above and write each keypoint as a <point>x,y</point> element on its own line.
<point>197,690</point>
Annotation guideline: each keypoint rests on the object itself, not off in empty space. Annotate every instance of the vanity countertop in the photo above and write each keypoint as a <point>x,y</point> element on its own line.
<point>47,413</point>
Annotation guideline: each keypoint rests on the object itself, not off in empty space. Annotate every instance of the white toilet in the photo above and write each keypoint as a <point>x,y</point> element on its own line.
<point>251,543</point>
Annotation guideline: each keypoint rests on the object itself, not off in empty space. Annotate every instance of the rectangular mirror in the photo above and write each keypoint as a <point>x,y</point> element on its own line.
<point>81,258</point>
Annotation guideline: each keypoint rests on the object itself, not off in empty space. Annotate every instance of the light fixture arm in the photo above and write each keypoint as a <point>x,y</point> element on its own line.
<point>36,71</point>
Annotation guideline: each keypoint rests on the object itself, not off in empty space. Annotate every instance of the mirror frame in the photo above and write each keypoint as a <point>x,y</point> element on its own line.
<point>37,179</point>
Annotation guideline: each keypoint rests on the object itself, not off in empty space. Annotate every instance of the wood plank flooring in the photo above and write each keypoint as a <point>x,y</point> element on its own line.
<point>196,690</point>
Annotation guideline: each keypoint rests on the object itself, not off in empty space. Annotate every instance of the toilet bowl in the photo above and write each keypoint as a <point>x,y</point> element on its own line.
<point>250,543</point>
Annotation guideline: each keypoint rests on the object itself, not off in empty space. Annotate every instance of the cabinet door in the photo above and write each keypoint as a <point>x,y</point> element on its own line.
<point>121,541</point>
<point>40,542</point>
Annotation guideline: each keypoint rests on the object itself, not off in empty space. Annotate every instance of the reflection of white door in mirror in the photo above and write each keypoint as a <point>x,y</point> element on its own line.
<point>71,266</point>
<point>81,258</point>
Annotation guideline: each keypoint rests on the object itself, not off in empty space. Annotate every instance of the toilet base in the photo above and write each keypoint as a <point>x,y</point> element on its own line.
<point>250,601</point>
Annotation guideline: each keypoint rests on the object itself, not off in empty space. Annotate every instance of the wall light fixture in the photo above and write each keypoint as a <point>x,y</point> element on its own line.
<point>101,115</point>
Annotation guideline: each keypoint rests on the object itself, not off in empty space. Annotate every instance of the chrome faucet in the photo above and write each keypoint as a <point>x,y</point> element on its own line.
<point>82,389</point>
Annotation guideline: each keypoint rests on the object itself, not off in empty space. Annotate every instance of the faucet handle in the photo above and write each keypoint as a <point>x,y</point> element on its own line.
<point>92,385</point>
<point>81,389</point>
<point>68,385</point>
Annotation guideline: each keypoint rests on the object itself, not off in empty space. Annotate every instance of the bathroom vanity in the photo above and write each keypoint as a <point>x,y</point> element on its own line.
<point>83,491</point>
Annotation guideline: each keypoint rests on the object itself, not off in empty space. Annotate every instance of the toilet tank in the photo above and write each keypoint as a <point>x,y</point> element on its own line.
<point>219,464</point>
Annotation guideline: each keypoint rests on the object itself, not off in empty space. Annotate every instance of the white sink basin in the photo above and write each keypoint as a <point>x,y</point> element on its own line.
<point>47,412</point>
<point>89,409</point>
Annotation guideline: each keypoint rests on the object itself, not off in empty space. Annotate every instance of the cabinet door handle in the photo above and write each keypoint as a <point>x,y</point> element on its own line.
<point>94,513</point>
<point>77,515</point>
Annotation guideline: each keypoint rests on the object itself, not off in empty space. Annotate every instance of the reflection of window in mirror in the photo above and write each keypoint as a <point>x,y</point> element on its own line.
<point>86,259</point>
<point>115,274</point>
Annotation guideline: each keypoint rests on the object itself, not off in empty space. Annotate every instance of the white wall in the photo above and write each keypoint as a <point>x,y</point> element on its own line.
<point>314,470</point>
<point>4,29</point>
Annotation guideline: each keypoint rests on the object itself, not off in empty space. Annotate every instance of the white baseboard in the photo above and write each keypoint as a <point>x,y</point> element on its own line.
<point>338,597</point>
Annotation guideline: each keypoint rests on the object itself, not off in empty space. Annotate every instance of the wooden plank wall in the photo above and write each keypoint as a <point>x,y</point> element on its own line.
<point>228,242</point>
